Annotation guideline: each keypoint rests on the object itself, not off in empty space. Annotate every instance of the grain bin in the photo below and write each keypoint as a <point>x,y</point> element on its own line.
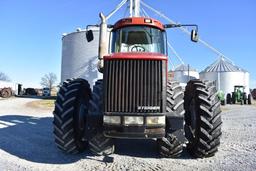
<point>226,75</point>
<point>80,57</point>
<point>183,73</point>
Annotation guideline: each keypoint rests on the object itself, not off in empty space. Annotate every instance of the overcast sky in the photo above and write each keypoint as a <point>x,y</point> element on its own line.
<point>30,32</point>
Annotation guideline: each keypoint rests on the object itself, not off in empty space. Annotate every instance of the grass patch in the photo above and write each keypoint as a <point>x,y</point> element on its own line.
<point>224,108</point>
<point>46,104</point>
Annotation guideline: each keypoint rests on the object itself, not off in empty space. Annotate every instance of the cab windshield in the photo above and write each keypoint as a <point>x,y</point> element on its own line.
<point>139,39</point>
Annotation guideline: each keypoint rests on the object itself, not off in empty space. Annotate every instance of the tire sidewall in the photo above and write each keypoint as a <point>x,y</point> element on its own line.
<point>192,98</point>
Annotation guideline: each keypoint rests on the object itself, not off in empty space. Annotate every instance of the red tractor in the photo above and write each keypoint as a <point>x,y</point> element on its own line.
<point>135,99</point>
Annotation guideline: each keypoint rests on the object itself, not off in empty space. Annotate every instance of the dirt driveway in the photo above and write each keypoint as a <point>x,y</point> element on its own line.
<point>26,143</point>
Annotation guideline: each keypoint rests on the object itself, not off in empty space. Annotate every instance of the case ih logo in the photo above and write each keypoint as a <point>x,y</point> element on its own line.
<point>148,107</point>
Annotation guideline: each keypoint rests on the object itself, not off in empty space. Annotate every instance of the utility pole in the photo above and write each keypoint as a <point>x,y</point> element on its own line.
<point>134,8</point>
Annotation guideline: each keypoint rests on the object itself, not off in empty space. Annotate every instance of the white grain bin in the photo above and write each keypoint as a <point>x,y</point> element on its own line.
<point>80,57</point>
<point>226,75</point>
<point>183,73</point>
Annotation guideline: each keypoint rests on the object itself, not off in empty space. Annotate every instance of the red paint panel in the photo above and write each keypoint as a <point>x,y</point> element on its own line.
<point>134,55</point>
<point>138,21</point>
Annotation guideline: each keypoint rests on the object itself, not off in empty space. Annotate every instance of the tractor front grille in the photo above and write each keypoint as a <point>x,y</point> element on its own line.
<point>134,86</point>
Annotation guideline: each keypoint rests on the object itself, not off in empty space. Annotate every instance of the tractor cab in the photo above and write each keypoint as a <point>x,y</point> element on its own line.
<point>239,89</point>
<point>139,34</point>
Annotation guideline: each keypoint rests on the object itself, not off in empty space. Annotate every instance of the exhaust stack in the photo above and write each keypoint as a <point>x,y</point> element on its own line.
<point>103,42</point>
<point>134,8</point>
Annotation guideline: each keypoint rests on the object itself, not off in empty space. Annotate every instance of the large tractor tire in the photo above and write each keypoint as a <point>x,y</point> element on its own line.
<point>249,99</point>
<point>71,108</point>
<point>5,93</point>
<point>169,146</point>
<point>99,144</point>
<point>229,98</point>
<point>202,118</point>
<point>9,92</point>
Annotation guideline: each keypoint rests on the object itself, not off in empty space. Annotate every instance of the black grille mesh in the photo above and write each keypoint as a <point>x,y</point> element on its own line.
<point>131,84</point>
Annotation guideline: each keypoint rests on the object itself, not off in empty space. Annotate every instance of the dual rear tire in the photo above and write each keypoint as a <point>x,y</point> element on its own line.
<point>71,108</point>
<point>99,144</point>
<point>202,118</point>
<point>78,118</point>
<point>169,146</point>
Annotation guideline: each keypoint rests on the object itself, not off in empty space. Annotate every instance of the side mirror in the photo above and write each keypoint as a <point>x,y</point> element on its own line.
<point>89,35</point>
<point>194,36</point>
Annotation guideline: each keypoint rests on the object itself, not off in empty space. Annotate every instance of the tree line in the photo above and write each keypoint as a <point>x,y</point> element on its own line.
<point>48,80</point>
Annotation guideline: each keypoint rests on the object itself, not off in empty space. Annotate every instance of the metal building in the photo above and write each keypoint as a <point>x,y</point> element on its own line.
<point>80,57</point>
<point>183,73</point>
<point>226,75</point>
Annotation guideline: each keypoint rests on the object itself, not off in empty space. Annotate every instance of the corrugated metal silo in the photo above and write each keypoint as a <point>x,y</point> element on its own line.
<point>80,57</point>
<point>183,73</point>
<point>226,75</point>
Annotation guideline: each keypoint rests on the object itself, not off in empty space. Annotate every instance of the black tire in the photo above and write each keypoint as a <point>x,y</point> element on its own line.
<point>245,98</point>
<point>5,93</point>
<point>229,98</point>
<point>249,99</point>
<point>233,98</point>
<point>223,102</point>
<point>10,92</point>
<point>169,146</point>
<point>71,108</point>
<point>202,118</point>
<point>99,144</point>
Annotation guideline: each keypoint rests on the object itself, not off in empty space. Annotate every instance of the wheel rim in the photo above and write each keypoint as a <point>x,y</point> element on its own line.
<point>192,109</point>
<point>5,93</point>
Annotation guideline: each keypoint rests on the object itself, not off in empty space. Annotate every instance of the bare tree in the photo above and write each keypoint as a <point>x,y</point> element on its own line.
<point>48,80</point>
<point>4,77</point>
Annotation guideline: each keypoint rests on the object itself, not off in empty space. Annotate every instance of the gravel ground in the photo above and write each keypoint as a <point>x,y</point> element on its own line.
<point>26,143</point>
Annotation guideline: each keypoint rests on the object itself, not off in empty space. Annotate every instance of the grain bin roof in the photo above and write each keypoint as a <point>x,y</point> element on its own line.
<point>183,67</point>
<point>222,65</point>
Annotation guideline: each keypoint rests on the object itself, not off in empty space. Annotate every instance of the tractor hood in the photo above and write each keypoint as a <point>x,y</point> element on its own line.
<point>139,55</point>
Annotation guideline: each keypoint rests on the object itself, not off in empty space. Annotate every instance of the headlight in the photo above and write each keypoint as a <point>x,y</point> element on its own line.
<point>133,120</point>
<point>112,120</point>
<point>155,120</point>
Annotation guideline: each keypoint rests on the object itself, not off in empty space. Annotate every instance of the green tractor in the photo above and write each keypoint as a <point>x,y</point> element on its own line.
<point>221,96</point>
<point>239,96</point>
